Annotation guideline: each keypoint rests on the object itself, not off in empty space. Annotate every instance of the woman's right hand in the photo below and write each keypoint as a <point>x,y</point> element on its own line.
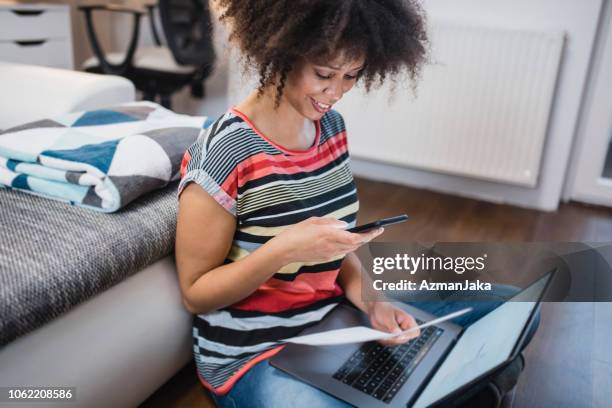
<point>319,239</point>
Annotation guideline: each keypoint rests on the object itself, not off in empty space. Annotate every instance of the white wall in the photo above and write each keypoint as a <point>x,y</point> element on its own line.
<point>578,18</point>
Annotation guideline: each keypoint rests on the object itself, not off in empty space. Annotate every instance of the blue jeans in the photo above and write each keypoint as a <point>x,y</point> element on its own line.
<point>266,386</point>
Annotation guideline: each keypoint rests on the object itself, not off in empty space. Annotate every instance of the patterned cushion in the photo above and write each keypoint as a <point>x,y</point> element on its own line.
<point>100,159</point>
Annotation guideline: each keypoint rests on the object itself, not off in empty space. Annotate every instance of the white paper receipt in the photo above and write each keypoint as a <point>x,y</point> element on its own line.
<point>360,334</point>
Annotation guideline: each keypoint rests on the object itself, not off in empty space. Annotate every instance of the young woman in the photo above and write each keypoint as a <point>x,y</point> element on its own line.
<point>266,195</point>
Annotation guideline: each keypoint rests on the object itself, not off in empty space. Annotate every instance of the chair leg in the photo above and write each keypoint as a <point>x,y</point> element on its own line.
<point>148,96</point>
<point>197,89</point>
<point>166,101</point>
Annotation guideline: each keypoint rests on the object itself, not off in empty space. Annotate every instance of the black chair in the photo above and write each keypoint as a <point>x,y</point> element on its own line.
<point>159,71</point>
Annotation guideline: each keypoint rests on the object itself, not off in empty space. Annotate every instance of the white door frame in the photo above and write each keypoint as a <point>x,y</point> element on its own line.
<point>595,128</point>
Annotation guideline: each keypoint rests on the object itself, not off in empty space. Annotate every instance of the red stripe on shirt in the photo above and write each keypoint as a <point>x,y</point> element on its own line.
<point>273,300</point>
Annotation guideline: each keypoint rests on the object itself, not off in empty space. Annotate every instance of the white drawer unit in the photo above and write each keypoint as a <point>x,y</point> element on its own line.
<point>36,33</point>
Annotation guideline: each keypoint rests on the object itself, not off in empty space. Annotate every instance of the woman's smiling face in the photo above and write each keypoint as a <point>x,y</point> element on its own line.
<point>313,87</point>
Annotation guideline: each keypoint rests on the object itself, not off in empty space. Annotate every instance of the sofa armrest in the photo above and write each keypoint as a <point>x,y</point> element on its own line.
<point>32,92</point>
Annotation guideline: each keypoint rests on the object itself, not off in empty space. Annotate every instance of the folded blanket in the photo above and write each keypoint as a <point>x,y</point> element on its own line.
<point>100,159</point>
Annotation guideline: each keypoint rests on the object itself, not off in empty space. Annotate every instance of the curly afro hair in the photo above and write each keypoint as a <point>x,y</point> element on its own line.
<point>274,35</point>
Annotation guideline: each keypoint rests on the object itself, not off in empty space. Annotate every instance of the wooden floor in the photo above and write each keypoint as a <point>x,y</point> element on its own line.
<point>569,361</point>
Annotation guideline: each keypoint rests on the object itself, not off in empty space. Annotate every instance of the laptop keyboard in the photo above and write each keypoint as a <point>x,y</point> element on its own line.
<point>381,371</point>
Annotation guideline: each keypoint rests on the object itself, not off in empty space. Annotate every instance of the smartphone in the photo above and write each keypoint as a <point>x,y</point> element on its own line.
<point>379,223</point>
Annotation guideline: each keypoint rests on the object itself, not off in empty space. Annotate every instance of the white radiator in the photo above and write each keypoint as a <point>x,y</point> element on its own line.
<point>481,108</point>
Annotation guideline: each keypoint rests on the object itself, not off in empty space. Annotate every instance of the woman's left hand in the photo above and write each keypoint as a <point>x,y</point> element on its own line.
<point>386,317</point>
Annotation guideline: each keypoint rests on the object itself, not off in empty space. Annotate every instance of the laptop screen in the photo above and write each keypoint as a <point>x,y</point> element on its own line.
<point>484,345</point>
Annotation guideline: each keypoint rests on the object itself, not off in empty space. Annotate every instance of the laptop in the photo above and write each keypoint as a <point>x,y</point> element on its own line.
<point>433,369</point>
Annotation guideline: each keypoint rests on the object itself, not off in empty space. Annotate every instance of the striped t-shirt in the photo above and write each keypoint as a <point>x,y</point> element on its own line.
<point>267,188</point>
